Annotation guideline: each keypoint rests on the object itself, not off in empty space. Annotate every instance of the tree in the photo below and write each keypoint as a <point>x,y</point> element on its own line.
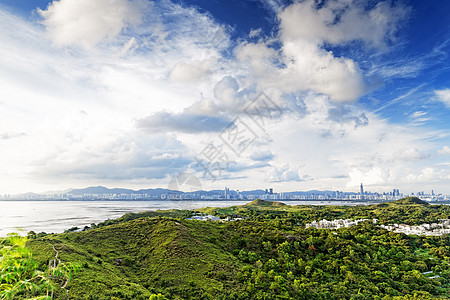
<point>157,297</point>
<point>19,273</point>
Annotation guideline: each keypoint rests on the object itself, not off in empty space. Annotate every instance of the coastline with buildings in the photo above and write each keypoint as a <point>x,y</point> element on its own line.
<point>102,193</point>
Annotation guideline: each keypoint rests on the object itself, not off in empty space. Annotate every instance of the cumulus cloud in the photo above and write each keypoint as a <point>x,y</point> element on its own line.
<point>192,71</point>
<point>86,23</point>
<point>309,67</point>
<point>172,76</point>
<point>120,82</point>
<point>443,96</point>
<point>205,115</point>
<point>284,174</point>
<point>341,21</point>
<point>410,154</point>
<point>259,57</point>
<point>229,98</point>
<point>122,158</point>
<point>444,150</point>
<point>375,175</point>
<point>226,89</point>
<point>303,63</point>
<point>428,175</point>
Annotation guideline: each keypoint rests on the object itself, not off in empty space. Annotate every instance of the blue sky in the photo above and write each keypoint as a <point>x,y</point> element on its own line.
<point>130,93</point>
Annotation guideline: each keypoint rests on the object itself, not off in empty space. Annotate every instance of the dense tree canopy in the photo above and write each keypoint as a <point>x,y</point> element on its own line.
<point>268,255</point>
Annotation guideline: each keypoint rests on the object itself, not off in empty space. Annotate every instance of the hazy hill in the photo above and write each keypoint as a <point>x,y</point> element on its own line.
<point>104,190</point>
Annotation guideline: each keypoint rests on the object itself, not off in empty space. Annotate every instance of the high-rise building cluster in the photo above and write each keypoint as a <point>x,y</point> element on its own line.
<point>229,194</point>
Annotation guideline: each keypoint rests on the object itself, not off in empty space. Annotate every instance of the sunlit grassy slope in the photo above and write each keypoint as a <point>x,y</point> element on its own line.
<point>131,260</point>
<point>268,255</point>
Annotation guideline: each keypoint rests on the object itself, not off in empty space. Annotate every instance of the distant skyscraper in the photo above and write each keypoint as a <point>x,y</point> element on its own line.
<point>271,191</point>
<point>361,192</point>
<point>396,192</point>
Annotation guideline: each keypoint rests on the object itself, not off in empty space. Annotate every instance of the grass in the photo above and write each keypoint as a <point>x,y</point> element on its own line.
<point>134,259</point>
<point>143,254</point>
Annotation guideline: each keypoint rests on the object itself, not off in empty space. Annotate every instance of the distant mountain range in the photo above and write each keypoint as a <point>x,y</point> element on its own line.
<point>101,192</point>
<point>161,191</point>
<point>104,190</point>
<point>153,192</point>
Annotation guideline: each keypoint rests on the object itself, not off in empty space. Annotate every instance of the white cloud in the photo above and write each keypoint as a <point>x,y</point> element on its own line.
<point>226,92</point>
<point>273,5</point>
<point>306,67</point>
<point>410,154</point>
<point>444,151</point>
<point>418,114</point>
<point>129,157</point>
<point>262,155</point>
<point>341,21</point>
<point>259,57</point>
<point>226,88</point>
<point>69,115</point>
<point>304,64</point>
<point>369,176</point>
<point>309,67</point>
<point>60,108</point>
<point>443,96</point>
<point>192,71</point>
<point>284,174</point>
<point>400,68</point>
<point>347,154</point>
<point>428,176</point>
<point>86,23</point>
<point>255,33</point>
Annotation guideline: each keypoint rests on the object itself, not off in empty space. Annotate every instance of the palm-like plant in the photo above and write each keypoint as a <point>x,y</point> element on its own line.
<point>19,273</point>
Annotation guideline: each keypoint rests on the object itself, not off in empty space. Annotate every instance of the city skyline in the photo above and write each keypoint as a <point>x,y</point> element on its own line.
<point>103,193</point>
<point>293,95</point>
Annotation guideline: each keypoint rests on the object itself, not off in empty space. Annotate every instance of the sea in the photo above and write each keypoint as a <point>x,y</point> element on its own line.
<point>58,216</point>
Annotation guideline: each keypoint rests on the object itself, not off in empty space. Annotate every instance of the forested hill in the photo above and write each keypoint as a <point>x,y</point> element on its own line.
<point>262,203</point>
<point>267,255</point>
<point>409,201</point>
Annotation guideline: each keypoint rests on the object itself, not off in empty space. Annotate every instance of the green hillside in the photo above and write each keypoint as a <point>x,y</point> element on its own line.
<point>131,260</point>
<point>409,201</point>
<point>267,255</point>
<point>262,203</point>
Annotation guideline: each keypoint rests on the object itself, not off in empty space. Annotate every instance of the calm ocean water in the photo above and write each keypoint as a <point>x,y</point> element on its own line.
<point>57,216</point>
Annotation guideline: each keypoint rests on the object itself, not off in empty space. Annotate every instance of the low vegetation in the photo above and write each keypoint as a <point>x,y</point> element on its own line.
<point>267,255</point>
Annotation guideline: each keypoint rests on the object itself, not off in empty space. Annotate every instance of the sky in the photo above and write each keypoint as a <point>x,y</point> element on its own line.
<point>289,95</point>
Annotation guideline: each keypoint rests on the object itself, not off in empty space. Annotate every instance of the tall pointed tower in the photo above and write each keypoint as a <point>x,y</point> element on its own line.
<point>361,192</point>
